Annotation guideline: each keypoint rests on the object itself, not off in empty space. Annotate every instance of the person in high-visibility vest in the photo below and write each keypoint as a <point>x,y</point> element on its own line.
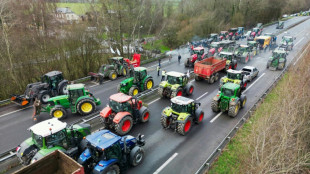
<point>163,75</point>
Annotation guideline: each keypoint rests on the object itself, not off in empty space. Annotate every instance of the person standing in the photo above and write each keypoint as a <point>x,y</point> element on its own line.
<point>159,60</point>
<point>179,58</point>
<point>158,70</point>
<point>163,75</point>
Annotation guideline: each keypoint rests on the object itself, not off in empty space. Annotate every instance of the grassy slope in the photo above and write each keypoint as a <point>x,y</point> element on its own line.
<point>243,153</point>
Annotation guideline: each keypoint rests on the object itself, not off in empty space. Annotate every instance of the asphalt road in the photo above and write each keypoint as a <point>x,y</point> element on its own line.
<point>167,151</point>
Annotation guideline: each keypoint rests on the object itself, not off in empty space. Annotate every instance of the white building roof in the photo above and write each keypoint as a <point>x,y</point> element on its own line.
<point>175,74</point>
<point>48,127</point>
<point>180,100</point>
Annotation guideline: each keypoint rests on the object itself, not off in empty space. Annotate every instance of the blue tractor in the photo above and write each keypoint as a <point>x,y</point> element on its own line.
<point>107,152</point>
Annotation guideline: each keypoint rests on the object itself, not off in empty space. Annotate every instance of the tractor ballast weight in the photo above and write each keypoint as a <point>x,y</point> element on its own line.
<point>139,82</point>
<point>78,100</point>
<point>52,84</point>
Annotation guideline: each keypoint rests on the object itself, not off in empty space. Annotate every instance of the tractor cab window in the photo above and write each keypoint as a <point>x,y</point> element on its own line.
<point>179,108</point>
<point>75,94</point>
<point>228,92</point>
<point>126,106</point>
<point>174,80</point>
<point>45,79</point>
<point>185,80</point>
<point>113,152</point>
<point>57,139</point>
<point>234,76</point>
<point>116,106</point>
<point>38,140</point>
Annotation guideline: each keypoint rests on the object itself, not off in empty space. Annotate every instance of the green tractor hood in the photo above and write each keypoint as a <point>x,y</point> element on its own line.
<point>61,97</point>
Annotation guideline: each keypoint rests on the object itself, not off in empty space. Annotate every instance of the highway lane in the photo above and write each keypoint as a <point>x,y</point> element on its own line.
<point>13,127</point>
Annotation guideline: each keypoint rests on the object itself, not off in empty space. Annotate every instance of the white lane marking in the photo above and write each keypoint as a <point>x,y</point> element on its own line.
<point>301,55</point>
<point>166,163</point>
<point>299,41</point>
<point>253,83</point>
<point>202,96</point>
<point>14,111</point>
<point>153,101</point>
<point>217,116</point>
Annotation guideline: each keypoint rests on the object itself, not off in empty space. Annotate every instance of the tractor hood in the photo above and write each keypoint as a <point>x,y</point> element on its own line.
<point>212,50</point>
<point>126,81</point>
<point>61,97</point>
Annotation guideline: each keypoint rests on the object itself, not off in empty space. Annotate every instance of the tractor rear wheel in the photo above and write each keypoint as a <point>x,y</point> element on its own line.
<point>145,114</point>
<point>165,122</point>
<point>234,110</point>
<point>148,83</point>
<point>243,101</point>
<point>136,156</point>
<point>58,112</point>
<point>44,97</point>
<point>63,89</point>
<point>133,91</point>
<point>199,114</point>
<point>124,126</point>
<point>215,106</point>
<point>183,128</point>
<point>189,89</point>
<point>86,106</point>
<point>112,169</point>
<point>112,75</point>
<point>124,71</point>
<point>161,92</point>
<point>177,92</point>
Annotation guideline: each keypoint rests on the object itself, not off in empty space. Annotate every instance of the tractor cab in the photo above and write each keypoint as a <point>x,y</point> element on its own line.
<point>177,78</point>
<point>227,55</point>
<point>180,104</point>
<point>123,103</point>
<point>215,47</point>
<point>52,78</point>
<point>241,30</point>
<point>287,39</point>
<point>252,44</point>
<point>234,74</point>
<point>229,91</point>
<point>278,54</point>
<point>199,51</point>
<point>139,74</point>
<point>236,77</point>
<point>213,37</point>
<point>242,49</point>
<point>223,34</point>
<point>233,31</point>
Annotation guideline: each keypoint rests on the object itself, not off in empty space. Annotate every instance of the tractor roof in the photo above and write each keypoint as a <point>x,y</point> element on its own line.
<point>255,28</point>
<point>232,86</point>
<point>103,139</point>
<point>244,46</point>
<point>268,34</point>
<point>241,27</point>
<point>234,71</point>
<point>224,31</point>
<point>140,68</point>
<point>198,48</point>
<point>234,29</point>
<point>252,42</point>
<point>175,74</point>
<point>263,37</point>
<point>53,73</point>
<point>279,51</point>
<point>180,100</point>
<point>248,67</point>
<point>48,127</point>
<point>213,34</point>
<point>215,43</point>
<point>120,97</point>
<point>116,58</point>
<point>75,86</point>
<point>287,36</point>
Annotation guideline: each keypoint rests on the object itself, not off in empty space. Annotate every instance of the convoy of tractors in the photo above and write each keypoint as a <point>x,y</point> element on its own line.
<point>110,149</point>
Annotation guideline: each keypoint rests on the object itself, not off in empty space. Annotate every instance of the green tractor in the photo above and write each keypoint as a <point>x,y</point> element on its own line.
<point>231,62</point>
<point>181,115</point>
<point>254,47</point>
<point>140,81</point>
<point>243,53</point>
<point>277,60</point>
<point>287,42</point>
<point>229,99</point>
<point>236,77</point>
<point>79,100</point>
<point>49,136</point>
<point>176,84</point>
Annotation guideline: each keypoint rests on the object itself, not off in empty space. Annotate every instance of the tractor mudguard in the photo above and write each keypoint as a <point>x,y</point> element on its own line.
<point>103,166</point>
<point>217,97</point>
<point>182,117</point>
<point>167,112</point>
<point>119,116</point>
<point>232,103</point>
<point>106,112</point>
<point>175,87</point>
<point>163,84</point>
<point>85,155</point>
<point>142,109</point>
<point>24,146</point>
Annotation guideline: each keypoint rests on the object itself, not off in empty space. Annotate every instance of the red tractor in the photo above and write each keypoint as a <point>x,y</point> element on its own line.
<point>122,112</point>
<point>223,35</point>
<point>233,34</point>
<point>198,54</point>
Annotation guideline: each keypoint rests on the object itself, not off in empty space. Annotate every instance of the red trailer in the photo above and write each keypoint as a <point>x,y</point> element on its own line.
<point>208,69</point>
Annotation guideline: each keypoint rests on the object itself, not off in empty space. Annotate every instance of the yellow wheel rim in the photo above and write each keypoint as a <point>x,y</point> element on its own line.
<point>149,84</point>
<point>244,101</point>
<point>113,76</point>
<point>86,107</point>
<point>58,113</point>
<point>124,72</point>
<point>135,92</point>
<point>236,109</point>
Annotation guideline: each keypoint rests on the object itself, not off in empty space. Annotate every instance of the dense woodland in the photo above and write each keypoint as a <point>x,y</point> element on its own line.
<point>33,42</point>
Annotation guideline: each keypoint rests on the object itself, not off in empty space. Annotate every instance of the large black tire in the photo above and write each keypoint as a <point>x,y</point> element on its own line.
<point>118,88</point>
<point>243,100</point>
<point>211,79</point>
<point>144,114</point>
<point>164,121</point>
<point>86,106</point>
<point>161,92</point>
<point>124,126</point>
<point>148,83</point>
<point>199,114</point>
<point>58,112</point>
<point>216,76</point>
<point>133,91</point>
<point>112,75</point>
<point>268,64</point>
<point>198,78</point>
<point>124,72</point>
<point>63,88</point>
<point>44,96</point>
<point>112,169</point>
<point>215,106</point>
<point>189,89</point>
<point>177,92</point>
<point>136,156</point>
<point>186,63</point>
<point>234,110</point>
<point>184,128</point>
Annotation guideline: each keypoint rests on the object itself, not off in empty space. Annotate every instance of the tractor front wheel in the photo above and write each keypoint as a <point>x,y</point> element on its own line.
<point>177,92</point>
<point>44,97</point>
<point>112,75</point>
<point>189,89</point>
<point>148,83</point>
<point>183,128</point>
<point>86,106</point>
<point>243,101</point>
<point>124,126</point>
<point>161,92</point>
<point>145,114</point>
<point>136,156</point>
<point>215,106</point>
<point>234,110</point>
<point>113,169</point>
<point>58,112</point>
<point>165,122</point>
<point>133,91</point>
<point>199,114</point>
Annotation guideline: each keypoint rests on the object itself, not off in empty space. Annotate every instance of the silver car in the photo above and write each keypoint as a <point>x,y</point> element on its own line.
<point>250,72</point>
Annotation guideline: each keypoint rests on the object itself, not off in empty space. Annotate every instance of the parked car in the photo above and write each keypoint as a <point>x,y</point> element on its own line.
<point>250,72</point>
